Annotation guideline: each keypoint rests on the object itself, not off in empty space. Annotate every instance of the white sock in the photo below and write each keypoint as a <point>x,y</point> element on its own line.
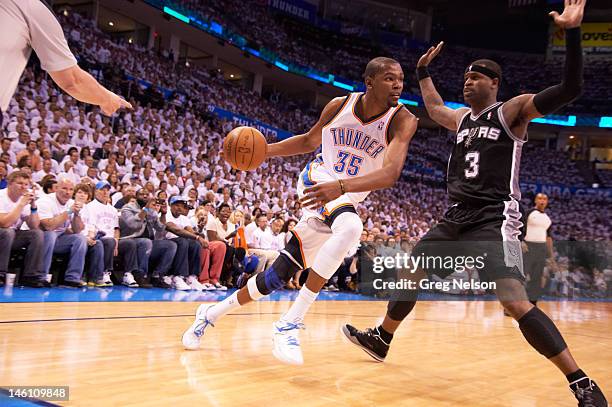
<point>300,306</point>
<point>223,307</point>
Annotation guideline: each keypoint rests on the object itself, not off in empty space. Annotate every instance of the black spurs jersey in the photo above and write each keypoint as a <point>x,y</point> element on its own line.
<point>484,164</point>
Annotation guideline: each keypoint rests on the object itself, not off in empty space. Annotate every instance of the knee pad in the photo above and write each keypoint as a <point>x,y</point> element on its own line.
<point>349,224</point>
<point>346,230</point>
<point>541,333</point>
<point>277,275</point>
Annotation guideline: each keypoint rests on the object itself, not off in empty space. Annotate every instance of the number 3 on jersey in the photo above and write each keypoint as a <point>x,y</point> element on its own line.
<point>354,163</point>
<point>472,158</point>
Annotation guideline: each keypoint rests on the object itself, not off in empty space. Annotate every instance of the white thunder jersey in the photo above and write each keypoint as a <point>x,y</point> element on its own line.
<point>351,147</point>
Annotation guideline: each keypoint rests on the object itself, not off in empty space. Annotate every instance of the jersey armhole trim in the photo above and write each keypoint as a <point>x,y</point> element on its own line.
<point>468,112</point>
<point>502,120</point>
<point>390,121</point>
<point>340,109</point>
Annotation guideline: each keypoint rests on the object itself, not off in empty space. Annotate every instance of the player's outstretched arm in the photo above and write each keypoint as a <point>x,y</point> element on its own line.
<point>83,87</point>
<point>401,130</point>
<point>434,104</point>
<point>310,141</point>
<point>524,108</point>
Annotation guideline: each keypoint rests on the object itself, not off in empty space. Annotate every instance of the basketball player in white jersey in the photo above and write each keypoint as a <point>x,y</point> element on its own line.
<point>364,139</point>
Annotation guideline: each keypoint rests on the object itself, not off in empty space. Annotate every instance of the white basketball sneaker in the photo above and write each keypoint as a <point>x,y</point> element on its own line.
<point>179,284</point>
<point>191,337</point>
<point>208,287</point>
<point>286,343</point>
<point>194,284</point>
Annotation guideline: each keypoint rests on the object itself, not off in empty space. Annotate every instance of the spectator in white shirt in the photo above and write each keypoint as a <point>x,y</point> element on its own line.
<point>20,144</point>
<point>101,229</point>
<point>172,188</point>
<point>47,169</point>
<point>61,220</point>
<point>81,139</point>
<point>186,264</point>
<point>69,172</point>
<point>262,244</point>
<point>219,228</point>
<point>5,147</point>
<point>18,206</point>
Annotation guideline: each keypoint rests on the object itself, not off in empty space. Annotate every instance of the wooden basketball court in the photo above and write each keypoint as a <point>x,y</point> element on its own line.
<point>446,354</point>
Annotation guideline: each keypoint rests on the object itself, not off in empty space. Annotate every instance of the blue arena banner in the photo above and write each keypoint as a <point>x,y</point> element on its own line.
<point>267,130</point>
<point>295,8</point>
<point>565,191</point>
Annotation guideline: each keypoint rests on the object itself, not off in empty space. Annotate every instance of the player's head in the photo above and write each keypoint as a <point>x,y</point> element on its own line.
<point>541,201</point>
<point>482,79</point>
<point>384,79</point>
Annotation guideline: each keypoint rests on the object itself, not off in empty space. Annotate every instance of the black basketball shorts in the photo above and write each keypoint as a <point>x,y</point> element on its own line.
<point>484,236</point>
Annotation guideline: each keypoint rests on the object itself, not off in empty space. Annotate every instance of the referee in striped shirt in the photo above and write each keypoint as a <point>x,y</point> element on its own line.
<point>537,245</point>
<point>27,25</point>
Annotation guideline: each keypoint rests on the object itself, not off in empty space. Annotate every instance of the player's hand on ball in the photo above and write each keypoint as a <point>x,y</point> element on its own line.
<point>113,104</point>
<point>572,14</point>
<point>320,194</point>
<point>431,53</point>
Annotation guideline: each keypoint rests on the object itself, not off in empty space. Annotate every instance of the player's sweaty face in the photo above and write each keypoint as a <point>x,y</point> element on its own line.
<point>389,83</point>
<point>476,86</point>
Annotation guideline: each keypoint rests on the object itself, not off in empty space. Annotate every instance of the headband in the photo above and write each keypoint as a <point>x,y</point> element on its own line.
<point>483,70</point>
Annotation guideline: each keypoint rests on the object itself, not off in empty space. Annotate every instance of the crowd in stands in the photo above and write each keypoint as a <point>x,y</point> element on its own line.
<point>94,48</point>
<point>539,165</point>
<point>297,42</point>
<point>605,177</point>
<point>144,198</point>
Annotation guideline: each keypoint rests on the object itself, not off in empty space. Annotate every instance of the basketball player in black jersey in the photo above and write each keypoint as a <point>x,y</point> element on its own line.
<point>483,186</point>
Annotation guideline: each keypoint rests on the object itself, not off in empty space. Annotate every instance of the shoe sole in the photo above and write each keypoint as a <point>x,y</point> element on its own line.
<point>285,361</point>
<point>351,339</point>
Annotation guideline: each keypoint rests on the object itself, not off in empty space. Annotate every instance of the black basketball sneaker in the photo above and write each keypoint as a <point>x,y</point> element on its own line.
<point>588,393</point>
<point>368,340</point>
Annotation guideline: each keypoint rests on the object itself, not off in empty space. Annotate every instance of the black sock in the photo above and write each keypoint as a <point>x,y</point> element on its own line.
<point>577,375</point>
<point>384,335</point>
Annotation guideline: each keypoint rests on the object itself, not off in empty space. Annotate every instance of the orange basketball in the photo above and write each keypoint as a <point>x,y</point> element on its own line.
<point>245,148</point>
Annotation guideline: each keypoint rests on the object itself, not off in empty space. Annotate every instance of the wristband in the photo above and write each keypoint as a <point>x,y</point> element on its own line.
<point>573,35</point>
<point>33,210</point>
<point>422,73</point>
<point>342,186</point>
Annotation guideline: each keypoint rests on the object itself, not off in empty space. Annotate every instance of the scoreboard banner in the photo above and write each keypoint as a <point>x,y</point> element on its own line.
<point>596,38</point>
